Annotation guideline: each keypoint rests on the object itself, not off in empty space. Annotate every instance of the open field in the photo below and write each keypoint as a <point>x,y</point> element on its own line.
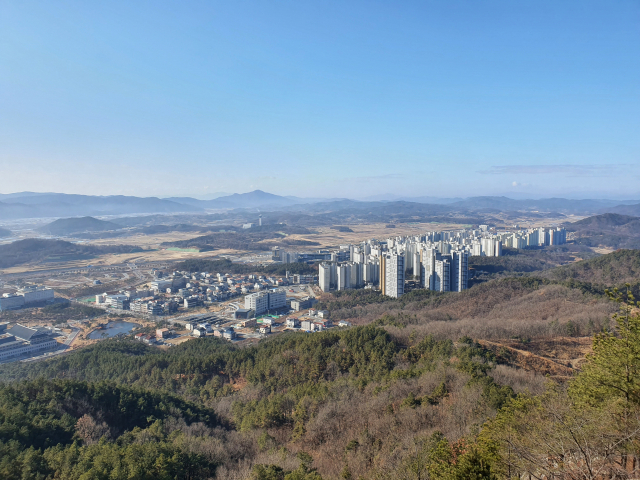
<point>327,236</point>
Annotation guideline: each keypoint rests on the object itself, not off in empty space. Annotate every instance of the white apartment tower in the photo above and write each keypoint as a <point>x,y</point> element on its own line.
<point>459,271</point>
<point>392,275</point>
<point>324,276</point>
<point>343,277</point>
<point>427,261</point>
<point>442,277</point>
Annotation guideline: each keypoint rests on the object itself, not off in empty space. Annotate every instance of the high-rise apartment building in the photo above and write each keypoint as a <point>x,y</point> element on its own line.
<point>427,261</point>
<point>459,271</point>
<point>442,274</point>
<point>343,281</point>
<point>392,275</point>
<point>324,276</point>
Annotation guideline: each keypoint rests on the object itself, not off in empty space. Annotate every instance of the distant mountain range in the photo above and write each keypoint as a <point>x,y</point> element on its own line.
<point>30,205</point>
<point>633,210</point>
<point>254,199</point>
<point>56,205</point>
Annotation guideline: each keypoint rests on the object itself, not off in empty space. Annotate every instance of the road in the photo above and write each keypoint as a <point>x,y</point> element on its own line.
<point>136,271</point>
<point>72,336</point>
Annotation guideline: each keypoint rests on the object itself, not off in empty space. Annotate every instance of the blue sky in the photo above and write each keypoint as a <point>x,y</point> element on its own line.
<point>321,98</point>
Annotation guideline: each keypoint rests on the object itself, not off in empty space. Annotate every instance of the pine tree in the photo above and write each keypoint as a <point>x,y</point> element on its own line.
<point>612,372</point>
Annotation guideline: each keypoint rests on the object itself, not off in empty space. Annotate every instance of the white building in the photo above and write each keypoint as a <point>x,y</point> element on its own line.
<point>324,277</point>
<point>392,275</point>
<point>459,271</point>
<point>11,302</point>
<point>277,299</point>
<point>25,296</point>
<point>161,285</point>
<point>36,293</point>
<point>260,302</point>
<point>442,275</point>
<point>343,280</point>
<point>20,340</point>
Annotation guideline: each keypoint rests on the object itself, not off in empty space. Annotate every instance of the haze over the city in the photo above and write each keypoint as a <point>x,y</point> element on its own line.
<point>331,99</point>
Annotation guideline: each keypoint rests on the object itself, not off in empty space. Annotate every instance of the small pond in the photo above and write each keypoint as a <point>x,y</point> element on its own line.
<point>112,329</point>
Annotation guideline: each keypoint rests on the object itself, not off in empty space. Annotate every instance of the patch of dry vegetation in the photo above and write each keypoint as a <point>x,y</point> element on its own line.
<point>510,308</point>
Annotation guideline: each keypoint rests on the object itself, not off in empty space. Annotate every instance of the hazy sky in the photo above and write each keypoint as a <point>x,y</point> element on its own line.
<point>321,98</point>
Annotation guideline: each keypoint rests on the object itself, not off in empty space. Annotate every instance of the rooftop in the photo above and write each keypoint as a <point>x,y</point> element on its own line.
<point>25,333</point>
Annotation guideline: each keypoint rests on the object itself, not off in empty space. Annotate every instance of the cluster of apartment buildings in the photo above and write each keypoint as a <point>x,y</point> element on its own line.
<point>26,296</point>
<point>533,237</point>
<point>387,266</point>
<point>20,340</point>
<point>437,261</point>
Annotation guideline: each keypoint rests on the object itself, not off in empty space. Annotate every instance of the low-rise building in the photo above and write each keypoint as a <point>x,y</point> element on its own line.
<point>227,333</point>
<point>292,322</point>
<point>242,313</point>
<point>138,307</point>
<point>11,302</point>
<point>119,302</point>
<point>161,285</point>
<point>303,303</point>
<point>27,295</point>
<point>20,340</point>
<point>36,294</point>
<point>154,308</point>
<point>191,302</point>
<point>249,323</point>
<point>206,326</point>
<point>163,333</point>
<point>199,332</point>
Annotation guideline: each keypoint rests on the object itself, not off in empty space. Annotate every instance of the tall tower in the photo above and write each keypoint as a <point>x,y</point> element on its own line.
<point>392,275</point>
<point>459,271</point>
<point>324,276</point>
<point>428,260</point>
<point>260,220</point>
<point>442,274</point>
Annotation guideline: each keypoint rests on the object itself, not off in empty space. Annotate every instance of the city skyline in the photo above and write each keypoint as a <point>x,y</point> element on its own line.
<point>418,99</point>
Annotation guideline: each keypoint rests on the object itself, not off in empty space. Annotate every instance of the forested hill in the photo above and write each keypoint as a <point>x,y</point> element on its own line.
<point>355,394</point>
<point>610,230</point>
<point>613,269</point>
<point>68,226</point>
<point>606,220</point>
